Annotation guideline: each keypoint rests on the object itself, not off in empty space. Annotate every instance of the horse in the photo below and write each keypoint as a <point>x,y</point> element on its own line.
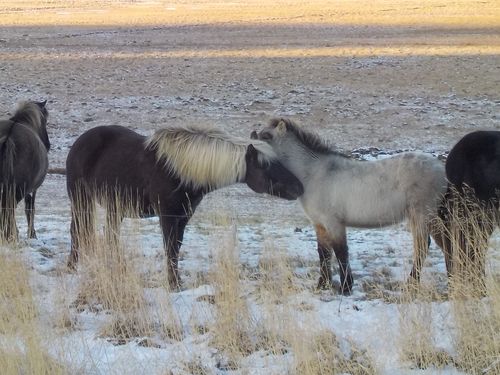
<point>166,174</point>
<point>24,145</point>
<point>342,192</point>
<point>469,210</point>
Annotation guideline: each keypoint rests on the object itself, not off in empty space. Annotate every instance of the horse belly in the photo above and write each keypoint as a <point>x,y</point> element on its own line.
<point>363,219</point>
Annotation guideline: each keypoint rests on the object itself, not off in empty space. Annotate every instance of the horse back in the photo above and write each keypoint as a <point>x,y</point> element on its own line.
<point>106,155</point>
<point>24,156</point>
<point>475,161</point>
<point>113,160</point>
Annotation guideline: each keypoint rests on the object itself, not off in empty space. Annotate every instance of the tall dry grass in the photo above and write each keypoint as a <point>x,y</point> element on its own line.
<point>473,294</point>
<point>22,350</point>
<point>249,313</point>
<point>110,279</point>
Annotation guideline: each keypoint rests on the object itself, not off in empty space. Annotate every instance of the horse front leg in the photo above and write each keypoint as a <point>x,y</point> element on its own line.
<point>335,240</point>
<point>173,233</point>
<point>325,258</point>
<point>29,210</point>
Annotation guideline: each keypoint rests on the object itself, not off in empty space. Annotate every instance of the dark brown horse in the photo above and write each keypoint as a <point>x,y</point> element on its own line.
<point>165,175</point>
<point>471,203</point>
<point>24,145</point>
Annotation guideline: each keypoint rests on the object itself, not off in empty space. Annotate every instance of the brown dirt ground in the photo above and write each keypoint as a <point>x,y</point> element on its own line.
<point>388,74</point>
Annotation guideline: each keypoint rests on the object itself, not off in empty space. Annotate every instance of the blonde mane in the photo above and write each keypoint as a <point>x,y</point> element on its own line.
<point>202,157</point>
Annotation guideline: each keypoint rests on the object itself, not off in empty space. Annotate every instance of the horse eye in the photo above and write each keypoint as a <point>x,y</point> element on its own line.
<point>266,136</point>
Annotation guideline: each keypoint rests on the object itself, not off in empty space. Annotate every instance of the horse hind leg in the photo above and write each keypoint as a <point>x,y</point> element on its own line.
<point>421,239</point>
<point>29,209</point>
<point>8,227</point>
<point>82,228</point>
<point>114,218</point>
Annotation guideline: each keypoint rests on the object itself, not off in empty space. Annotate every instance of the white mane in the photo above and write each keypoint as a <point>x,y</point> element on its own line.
<point>204,157</point>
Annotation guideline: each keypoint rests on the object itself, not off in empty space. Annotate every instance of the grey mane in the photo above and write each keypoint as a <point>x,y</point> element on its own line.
<point>309,139</point>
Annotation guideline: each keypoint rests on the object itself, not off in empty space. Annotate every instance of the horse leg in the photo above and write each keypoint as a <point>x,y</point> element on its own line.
<point>328,241</point>
<point>114,218</point>
<point>420,233</point>
<point>325,257</point>
<point>173,221</point>
<point>478,237</point>
<point>82,228</point>
<point>173,233</point>
<point>29,209</point>
<point>440,232</point>
<point>8,227</point>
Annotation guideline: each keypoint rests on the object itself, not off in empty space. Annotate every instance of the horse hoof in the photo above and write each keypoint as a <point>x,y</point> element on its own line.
<point>71,266</point>
<point>324,284</point>
<point>174,285</point>
<point>346,291</point>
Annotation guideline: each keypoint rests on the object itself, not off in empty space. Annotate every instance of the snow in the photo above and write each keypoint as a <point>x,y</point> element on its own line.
<point>263,224</point>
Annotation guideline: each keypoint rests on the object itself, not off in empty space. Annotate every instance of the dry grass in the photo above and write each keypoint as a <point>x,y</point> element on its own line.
<point>24,352</point>
<point>233,324</point>
<point>474,297</point>
<point>320,353</point>
<point>109,279</point>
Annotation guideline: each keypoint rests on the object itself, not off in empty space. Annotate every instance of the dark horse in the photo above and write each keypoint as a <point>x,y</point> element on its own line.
<point>24,145</point>
<point>470,206</point>
<point>165,175</point>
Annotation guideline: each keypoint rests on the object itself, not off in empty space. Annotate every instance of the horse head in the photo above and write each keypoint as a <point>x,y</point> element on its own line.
<point>270,176</point>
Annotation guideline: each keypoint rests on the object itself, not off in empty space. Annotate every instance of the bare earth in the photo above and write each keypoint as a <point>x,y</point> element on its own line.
<point>362,74</point>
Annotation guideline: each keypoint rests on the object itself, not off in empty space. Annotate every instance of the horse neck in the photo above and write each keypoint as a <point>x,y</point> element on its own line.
<point>302,161</point>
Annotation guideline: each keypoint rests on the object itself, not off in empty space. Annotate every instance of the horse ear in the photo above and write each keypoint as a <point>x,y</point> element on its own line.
<point>254,135</point>
<point>281,127</point>
<point>44,103</point>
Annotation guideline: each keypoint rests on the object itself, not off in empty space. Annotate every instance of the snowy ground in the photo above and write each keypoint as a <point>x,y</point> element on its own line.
<point>381,260</point>
<point>390,85</point>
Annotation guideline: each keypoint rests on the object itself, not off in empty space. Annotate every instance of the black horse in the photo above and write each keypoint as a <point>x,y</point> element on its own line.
<point>24,145</point>
<point>470,207</point>
<point>165,175</point>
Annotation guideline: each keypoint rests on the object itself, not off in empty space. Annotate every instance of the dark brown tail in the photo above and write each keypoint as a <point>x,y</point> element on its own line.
<point>7,154</point>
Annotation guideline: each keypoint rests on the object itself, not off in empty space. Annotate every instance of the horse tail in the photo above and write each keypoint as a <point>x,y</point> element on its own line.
<point>7,152</point>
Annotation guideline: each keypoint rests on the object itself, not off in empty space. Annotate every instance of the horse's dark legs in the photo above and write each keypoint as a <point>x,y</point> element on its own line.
<point>342,254</point>
<point>173,220</point>
<point>29,209</point>
<point>173,233</point>
<point>82,223</point>
<point>325,267</point>
<point>114,218</point>
<point>337,243</point>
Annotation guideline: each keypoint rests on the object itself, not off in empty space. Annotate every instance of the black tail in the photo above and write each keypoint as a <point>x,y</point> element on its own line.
<point>7,151</point>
